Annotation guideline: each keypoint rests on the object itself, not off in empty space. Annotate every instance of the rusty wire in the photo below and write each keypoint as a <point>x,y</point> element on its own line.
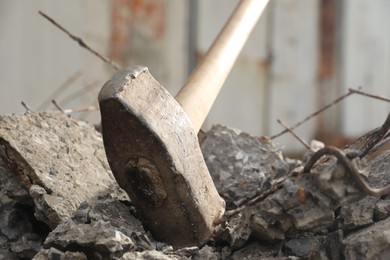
<point>346,161</point>
<point>80,41</point>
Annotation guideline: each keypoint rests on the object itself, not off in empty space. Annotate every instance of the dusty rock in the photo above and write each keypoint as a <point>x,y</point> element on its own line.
<point>382,209</point>
<point>10,186</point>
<point>53,176</point>
<point>149,255</point>
<point>255,250</point>
<point>303,248</point>
<point>18,237</point>
<point>62,156</point>
<point>104,229</point>
<point>98,240</point>
<point>372,242</point>
<point>313,202</point>
<point>207,252</point>
<point>241,165</point>
<point>356,214</point>
<point>53,253</point>
<point>332,244</point>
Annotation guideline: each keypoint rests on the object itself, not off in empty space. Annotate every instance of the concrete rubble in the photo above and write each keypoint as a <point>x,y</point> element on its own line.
<point>59,200</point>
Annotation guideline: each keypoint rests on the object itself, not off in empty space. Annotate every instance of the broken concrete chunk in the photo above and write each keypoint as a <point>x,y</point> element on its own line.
<point>63,156</point>
<point>307,216</point>
<point>241,165</point>
<point>53,253</point>
<point>96,240</point>
<point>255,250</point>
<point>10,185</point>
<point>372,242</point>
<point>149,255</point>
<point>382,209</point>
<point>207,252</point>
<point>357,214</point>
<point>303,248</point>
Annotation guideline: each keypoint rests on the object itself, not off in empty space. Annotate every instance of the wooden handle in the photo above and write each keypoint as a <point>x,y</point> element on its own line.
<point>203,85</point>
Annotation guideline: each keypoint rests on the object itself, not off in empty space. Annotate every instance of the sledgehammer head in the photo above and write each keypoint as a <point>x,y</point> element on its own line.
<point>155,157</point>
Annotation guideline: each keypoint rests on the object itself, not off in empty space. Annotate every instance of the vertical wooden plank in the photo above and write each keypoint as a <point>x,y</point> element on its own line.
<point>366,56</point>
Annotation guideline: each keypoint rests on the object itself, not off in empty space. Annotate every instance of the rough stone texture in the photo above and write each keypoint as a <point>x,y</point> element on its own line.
<point>324,199</point>
<point>372,242</point>
<point>98,240</point>
<point>241,165</point>
<point>255,250</point>
<point>149,255</point>
<point>382,209</point>
<point>53,253</point>
<point>303,248</point>
<point>307,217</point>
<point>18,232</point>
<point>357,214</point>
<point>10,186</point>
<point>49,164</point>
<point>104,229</point>
<point>57,159</point>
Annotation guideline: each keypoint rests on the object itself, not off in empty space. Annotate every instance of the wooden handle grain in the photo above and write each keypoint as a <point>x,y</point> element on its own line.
<point>203,85</point>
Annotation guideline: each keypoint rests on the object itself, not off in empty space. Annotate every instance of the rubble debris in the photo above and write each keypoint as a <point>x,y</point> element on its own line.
<point>98,240</point>
<point>58,161</point>
<point>241,166</point>
<point>53,253</point>
<point>382,209</point>
<point>372,242</point>
<point>358,213</point>
<point>256,250</point>
<point>322,214</point>
<point>302,247</point>
<point>314,201</point>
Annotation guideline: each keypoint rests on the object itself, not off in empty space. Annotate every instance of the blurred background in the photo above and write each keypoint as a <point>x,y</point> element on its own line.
<point>302,55</point>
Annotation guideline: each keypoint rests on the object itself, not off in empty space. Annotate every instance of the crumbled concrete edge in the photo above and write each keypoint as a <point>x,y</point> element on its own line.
<point>47,158</point>
<point>309,215</point>
<point>57,160</point>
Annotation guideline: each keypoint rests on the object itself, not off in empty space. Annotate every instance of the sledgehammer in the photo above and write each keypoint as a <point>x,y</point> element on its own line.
<point>151,141</point>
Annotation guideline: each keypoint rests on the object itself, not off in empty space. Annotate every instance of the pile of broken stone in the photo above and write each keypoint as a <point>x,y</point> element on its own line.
<point>59,200</point>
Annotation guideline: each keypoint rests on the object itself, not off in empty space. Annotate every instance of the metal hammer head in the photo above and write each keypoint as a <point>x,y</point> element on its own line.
<point>155,157</point>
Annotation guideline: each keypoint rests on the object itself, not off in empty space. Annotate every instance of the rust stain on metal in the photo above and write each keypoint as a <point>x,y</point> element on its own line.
<point>327,38</point>
<point>143,18</point>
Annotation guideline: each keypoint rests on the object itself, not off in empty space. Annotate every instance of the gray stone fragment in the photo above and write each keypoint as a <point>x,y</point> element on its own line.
<point>358,213</point>
<point>382,209</point>
<point>27,246</point>
<point>303,248</point>
<point>333,244</point>
<point>54,254</point>
<point>207,252</point>
<point>236,231</point>
<point>63,156</point>
<point>149,255</point>
<point>118,215</point>
<point>187,251</point>
<point>14,221</point>
<point>6,254</point>
<point>372,242</point>
<point>98,239</point>
<point>241,165</point>
<point>17,231</point>
<point>10,186</point>
<point>254,251</point>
